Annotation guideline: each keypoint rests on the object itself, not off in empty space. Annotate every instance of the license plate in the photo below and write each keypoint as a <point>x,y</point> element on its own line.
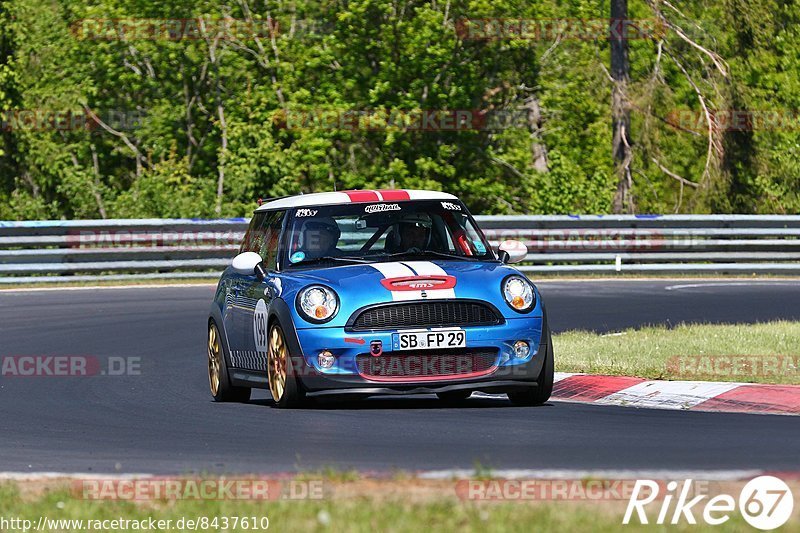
<point>429,340</point>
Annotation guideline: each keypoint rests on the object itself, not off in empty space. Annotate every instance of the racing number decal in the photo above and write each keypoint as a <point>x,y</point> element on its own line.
<point>260,326</point>
<point>261,332</point>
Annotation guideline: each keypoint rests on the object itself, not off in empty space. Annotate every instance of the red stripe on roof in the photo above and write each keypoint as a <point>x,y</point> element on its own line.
<point>589,388</point>
<point>755,399</point>
<point>395,195</point>
<point>362,196</point>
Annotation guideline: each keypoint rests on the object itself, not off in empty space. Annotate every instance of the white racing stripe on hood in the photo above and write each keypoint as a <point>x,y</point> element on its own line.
<point>426,268</point>
<point>420,268</point>
<point>393,270</point>
<point>398,270</point>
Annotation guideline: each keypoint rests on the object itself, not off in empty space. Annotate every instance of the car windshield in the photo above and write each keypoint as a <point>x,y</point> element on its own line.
<point>343,233</point>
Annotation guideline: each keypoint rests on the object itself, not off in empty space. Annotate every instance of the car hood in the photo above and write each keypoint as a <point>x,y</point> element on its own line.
<point>359,285</point>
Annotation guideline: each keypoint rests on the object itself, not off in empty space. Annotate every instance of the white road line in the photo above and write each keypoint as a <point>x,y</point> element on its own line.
<point>731,284</point>
<point>705,475</point>
<point>105,287</point>
<point>558,376</point>
<point>37,476</point>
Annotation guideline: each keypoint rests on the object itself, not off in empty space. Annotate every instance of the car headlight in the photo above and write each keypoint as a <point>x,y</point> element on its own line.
<point>518,293</point>
<point>318,303</point>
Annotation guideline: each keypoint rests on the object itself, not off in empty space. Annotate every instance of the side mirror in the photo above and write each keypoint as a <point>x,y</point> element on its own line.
<point>249,264</point>
<point>512,251</point>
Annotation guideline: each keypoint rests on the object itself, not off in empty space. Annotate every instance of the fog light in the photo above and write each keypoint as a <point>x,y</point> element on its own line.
<point>521,349</point>
<point>325,359</point>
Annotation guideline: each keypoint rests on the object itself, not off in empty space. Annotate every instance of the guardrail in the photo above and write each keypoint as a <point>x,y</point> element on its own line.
<point>653,243</point>
<point>181,248</point>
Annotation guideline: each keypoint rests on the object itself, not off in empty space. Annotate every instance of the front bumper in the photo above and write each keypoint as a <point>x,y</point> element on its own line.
<point>507,374</point>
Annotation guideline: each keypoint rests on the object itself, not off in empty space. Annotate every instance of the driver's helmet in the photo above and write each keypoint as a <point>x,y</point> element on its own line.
<point>323,224</point>
<point>417,220</point>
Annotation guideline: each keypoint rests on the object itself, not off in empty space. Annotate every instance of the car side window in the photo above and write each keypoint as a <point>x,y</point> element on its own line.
<point>263,237</point>
<point>247,242</point>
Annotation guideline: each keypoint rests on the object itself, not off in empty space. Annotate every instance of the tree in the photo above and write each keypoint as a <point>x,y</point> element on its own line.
<point>620,114</point>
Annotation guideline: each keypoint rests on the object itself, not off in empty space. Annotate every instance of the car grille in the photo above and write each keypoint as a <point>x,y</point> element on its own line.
<point>425,314</point>
<point>444,364</point>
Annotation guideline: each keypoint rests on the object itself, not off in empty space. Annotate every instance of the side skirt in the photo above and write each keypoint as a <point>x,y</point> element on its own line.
<point>248,378</point>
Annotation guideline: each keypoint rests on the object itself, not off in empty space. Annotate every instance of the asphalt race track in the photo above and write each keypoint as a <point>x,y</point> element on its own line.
<point>163,420</point>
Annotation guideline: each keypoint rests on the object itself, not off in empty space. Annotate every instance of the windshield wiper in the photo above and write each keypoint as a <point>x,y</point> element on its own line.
<point>423,252</point>
<point>339,258</point>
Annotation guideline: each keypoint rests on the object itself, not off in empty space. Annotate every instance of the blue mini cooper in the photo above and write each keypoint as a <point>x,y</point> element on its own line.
<point>362,292</point>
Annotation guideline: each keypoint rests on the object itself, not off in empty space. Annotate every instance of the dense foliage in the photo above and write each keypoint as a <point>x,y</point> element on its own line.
<point>108,114</point>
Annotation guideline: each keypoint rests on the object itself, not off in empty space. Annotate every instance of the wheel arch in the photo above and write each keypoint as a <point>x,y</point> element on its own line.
<point>215,317</point>
<point>279,313</point>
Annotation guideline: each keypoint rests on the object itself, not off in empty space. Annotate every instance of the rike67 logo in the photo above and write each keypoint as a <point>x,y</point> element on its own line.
<point>765,502</point>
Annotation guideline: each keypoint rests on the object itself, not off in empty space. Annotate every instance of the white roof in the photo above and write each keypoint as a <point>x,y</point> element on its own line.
<point>359,196</point>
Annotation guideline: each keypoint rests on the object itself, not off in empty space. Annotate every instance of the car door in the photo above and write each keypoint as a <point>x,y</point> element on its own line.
<point>236,285</point>
<point>257,294</point>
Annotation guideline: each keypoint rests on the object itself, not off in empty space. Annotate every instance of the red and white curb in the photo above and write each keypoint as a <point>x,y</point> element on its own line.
<point>677,395</point>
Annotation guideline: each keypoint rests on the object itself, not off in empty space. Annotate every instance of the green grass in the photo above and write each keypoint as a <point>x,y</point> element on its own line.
<point>694,352</point>
<point>356,514</point>
<point>331,473</point>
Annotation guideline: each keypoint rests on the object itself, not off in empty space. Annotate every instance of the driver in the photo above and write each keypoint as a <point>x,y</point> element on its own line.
<point>320,238</point>
<point>415,232</point>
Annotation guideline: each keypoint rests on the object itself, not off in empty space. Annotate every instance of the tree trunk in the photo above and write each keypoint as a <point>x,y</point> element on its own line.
<point>223,153</point>
<point>101,207</point>
<point>538,149</point>
<point>620,74</point>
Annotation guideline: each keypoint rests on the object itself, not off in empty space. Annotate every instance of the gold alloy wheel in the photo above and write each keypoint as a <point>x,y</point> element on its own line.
<point>214,359</point>
<point>277,356</point>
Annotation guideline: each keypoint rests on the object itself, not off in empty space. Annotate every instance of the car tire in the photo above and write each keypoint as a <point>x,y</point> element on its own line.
<point>539,394</point>
<point>218,379</point>
<point>286,390</point>
<point>454,397</point>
